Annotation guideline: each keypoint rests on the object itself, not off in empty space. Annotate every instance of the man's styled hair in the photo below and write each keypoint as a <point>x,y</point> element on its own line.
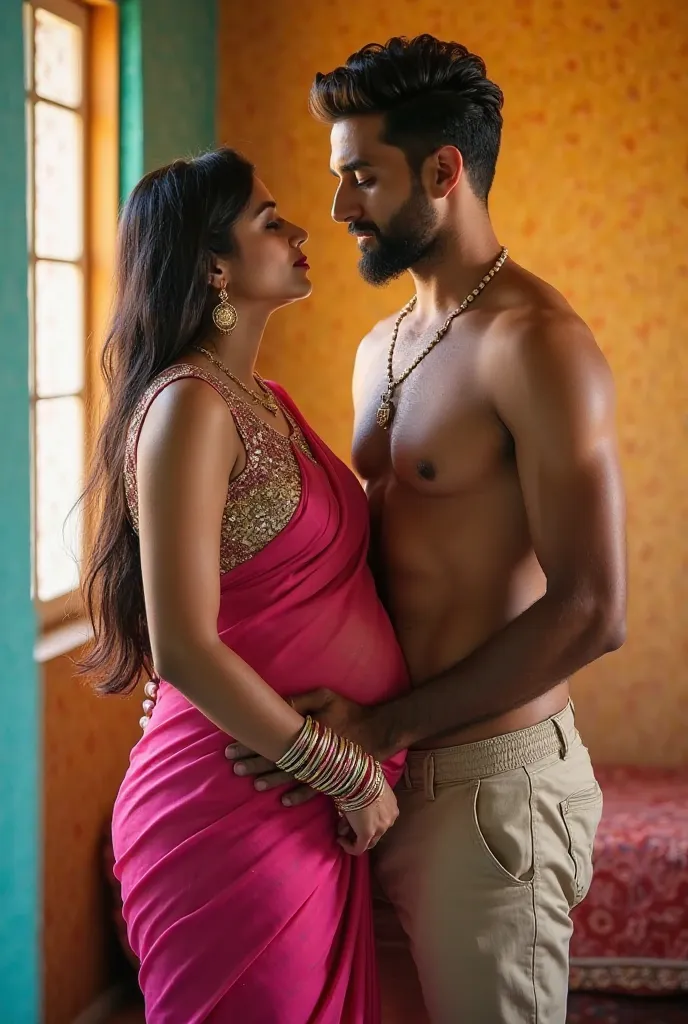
<point>431,94</point>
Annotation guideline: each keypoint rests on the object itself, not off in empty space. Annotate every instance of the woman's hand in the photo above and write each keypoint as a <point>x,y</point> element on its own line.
<point>361,830</point>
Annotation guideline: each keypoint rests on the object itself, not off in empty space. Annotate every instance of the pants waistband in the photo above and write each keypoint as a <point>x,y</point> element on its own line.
<point>426,769</point>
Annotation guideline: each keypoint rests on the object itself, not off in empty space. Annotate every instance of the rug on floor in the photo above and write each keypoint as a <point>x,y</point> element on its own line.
<point>588,1008</point>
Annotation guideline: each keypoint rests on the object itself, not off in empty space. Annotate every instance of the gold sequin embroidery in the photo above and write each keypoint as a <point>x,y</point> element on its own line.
<point>262,500</point>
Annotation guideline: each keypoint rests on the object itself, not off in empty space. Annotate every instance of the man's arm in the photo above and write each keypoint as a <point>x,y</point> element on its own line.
<point>553,390</point>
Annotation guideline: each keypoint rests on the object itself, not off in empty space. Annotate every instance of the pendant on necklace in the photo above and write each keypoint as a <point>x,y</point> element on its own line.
<point>385,412</point>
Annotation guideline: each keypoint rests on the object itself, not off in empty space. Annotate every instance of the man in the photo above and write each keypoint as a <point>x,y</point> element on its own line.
<point>484,431</point>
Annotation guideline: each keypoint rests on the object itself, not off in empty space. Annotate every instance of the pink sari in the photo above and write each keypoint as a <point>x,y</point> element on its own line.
<point>242,911</point>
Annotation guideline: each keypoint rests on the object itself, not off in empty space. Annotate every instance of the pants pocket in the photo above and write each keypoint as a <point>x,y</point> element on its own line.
<point>502,826</point>
<point>581,813</point>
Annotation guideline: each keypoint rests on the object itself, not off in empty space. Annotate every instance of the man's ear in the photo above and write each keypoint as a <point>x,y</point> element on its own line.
<point>442,172</point>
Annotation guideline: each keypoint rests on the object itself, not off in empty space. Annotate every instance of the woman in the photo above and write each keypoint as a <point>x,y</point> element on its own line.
<point>230,554</point>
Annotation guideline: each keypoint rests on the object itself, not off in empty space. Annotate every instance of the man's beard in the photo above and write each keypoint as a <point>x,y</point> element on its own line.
<point>409,238</point>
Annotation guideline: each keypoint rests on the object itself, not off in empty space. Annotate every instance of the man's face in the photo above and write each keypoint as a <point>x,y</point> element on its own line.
<point>382,201</point>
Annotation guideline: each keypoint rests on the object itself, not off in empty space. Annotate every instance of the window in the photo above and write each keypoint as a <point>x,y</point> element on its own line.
<point>56,34</point>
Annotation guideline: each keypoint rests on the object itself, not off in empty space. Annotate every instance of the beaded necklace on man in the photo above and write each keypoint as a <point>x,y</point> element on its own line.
<point>385,412</point>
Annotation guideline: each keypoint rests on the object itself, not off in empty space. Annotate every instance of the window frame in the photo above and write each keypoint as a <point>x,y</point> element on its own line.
<point>99,112</point>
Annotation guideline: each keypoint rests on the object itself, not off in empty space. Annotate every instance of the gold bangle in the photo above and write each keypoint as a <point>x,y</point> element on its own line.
<point>333,765</point>
<point>368,797</point>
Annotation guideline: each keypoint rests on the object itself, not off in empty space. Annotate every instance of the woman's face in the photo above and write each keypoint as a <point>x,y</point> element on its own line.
<point>268,265</point>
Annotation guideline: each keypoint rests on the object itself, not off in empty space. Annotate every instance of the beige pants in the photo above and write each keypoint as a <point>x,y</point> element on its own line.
<point>492,849</point>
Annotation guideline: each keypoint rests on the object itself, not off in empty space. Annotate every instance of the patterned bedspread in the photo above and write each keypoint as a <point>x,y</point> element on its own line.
<point>631,933</point>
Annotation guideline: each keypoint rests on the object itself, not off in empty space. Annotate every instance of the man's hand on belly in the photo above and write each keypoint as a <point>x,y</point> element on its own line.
<point>343,716</point>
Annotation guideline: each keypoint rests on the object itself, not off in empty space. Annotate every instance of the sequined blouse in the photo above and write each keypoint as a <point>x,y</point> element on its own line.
<point>263,498</point>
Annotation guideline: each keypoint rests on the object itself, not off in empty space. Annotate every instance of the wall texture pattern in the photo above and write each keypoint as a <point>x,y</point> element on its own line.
<point>591,193</point>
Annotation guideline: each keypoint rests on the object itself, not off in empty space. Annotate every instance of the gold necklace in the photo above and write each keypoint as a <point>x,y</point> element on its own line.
<point>267,400</point>
<point>385,412</point>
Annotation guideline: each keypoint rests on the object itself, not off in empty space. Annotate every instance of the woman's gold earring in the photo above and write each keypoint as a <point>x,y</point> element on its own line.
<point>225,315</point>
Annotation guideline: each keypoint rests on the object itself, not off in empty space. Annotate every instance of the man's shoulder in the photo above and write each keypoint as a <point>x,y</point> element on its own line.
<point>374,346</point>
<point>527,332</point>
<point>539,349</point>
<point>380,334</point>
<point>536,323</point>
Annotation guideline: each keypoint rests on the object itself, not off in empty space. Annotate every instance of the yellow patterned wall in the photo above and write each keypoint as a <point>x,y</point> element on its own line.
<point>591,193</point>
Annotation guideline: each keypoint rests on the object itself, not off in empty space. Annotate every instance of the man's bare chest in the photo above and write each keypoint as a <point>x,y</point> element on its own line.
<point>444,434</point>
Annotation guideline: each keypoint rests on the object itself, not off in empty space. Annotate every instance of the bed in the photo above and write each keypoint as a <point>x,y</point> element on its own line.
<point>631,932</point>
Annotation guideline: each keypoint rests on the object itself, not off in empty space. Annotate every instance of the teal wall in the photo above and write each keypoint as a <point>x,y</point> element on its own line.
<point>19,720</point>
<point>168,82</point>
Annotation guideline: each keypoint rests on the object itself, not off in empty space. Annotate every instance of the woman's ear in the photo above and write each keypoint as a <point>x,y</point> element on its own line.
<point>218,275</point>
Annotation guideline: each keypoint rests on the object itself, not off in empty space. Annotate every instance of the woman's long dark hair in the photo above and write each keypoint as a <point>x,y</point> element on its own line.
<point>172,223</point>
